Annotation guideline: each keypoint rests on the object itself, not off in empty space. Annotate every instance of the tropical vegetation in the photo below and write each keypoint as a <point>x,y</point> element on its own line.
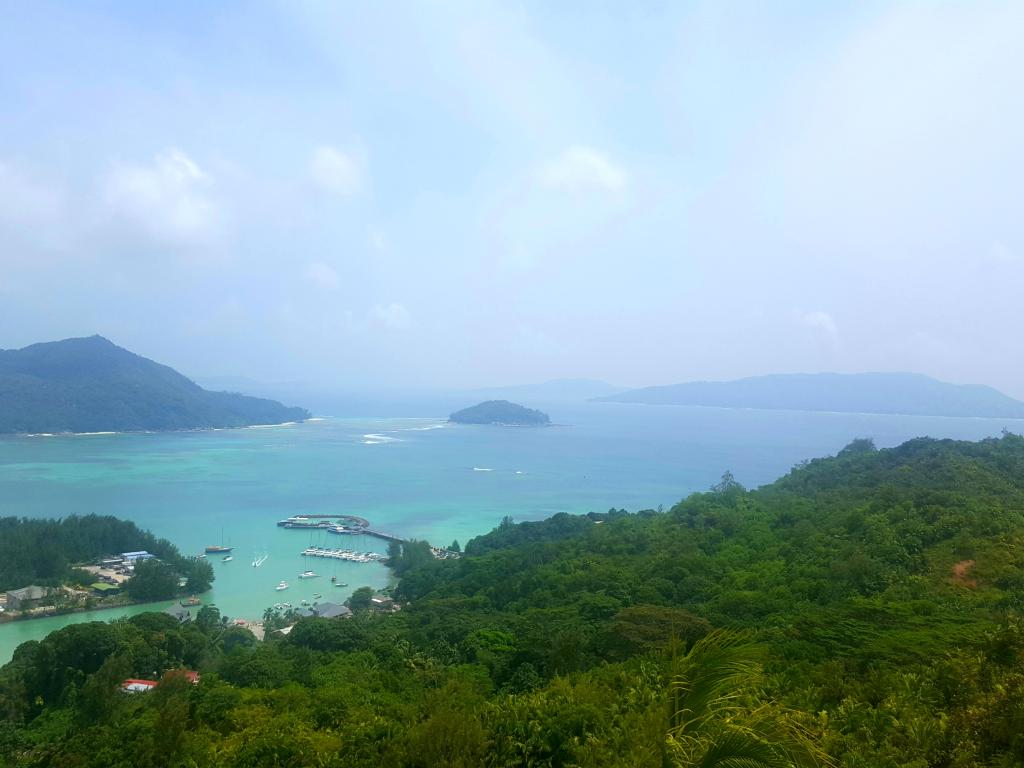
<point>45,552</point>
<point>500,412</point>
<point>863,610</point>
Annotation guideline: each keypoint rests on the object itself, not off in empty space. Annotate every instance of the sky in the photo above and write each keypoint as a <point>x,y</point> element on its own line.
<point>463,194</point>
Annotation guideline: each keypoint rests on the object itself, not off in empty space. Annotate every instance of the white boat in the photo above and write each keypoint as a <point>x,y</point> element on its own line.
<point>282,586</point>
<point>308,575</point>
<point>228,559</point>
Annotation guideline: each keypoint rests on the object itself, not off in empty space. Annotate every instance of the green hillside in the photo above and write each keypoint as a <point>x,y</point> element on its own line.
<point>92,385</point>
<point>500,412</point>
<point>861,611</point>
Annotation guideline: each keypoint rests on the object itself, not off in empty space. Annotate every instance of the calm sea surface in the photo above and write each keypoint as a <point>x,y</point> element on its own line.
<point>413,477</point>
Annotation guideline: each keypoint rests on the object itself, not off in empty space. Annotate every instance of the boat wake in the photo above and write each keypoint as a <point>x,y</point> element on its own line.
<point>376,439</point>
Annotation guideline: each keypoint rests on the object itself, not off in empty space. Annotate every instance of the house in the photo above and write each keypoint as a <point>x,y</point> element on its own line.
<point>101,588</point>
<point>26,597</point>
<point>332,611</point>
<point>382,602</point>
<point>324,611</point>
<point>181,614</point>
<point>131,685</point>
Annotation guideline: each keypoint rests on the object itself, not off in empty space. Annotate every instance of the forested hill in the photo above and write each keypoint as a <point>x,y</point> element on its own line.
<point>500,412</point>
<point>865,607</point>
<point>92,385</point>
<point>900,393</point>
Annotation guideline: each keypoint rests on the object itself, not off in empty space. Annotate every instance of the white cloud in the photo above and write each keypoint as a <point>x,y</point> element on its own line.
<point>323,276</point>
<point>335,171</point>
<point>394,315</point>
<point>167,198</point>
<point>582,168</point>
<point>821,321</point>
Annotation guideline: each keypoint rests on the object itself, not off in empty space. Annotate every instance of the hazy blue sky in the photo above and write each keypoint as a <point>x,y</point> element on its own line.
<point>476,193</point>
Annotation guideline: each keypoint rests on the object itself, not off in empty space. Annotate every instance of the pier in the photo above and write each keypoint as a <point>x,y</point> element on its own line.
<point>350,525</point>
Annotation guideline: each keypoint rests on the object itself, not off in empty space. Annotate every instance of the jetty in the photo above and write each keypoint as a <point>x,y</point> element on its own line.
<point>349,522</point>
<point>351,525</point>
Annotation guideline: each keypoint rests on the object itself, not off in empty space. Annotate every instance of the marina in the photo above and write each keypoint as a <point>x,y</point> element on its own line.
<point>343,554</point>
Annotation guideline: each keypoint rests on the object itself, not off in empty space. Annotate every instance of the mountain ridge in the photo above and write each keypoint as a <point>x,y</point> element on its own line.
<point>911,394</point>
<point>89,384</point>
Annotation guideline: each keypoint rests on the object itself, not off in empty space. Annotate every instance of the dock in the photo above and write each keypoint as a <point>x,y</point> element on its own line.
<point>344,554</point>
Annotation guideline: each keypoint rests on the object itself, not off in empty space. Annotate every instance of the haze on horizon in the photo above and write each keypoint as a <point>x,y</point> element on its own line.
<point>481,193</point>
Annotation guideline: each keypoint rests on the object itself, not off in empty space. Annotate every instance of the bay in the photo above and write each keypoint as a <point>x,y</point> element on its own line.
<point>414,477</point>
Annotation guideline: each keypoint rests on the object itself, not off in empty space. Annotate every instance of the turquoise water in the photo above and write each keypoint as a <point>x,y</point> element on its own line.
<point>413,477</point>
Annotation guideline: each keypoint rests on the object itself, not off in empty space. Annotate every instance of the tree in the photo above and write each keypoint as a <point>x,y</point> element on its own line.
<point>361,600</point>
<point>199,574</point>
<point>455,546</point>
<point>728,485</point>
<point>153,580</point>
<point>717,716</point>
<point>208,618</point>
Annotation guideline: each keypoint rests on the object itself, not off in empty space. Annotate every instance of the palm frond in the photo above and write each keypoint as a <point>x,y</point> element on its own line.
<point>721,667</point>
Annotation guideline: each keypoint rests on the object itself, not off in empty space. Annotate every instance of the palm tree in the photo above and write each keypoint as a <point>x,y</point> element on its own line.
<point>718,717</point>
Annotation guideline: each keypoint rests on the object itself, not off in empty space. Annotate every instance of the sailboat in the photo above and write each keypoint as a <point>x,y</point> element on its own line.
<point>219,549</point>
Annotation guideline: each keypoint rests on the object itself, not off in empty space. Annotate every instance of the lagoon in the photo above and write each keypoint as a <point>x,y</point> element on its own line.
<point>415,477</point>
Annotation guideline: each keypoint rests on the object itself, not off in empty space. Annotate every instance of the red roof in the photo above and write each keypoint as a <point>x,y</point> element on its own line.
<point>131,684</point>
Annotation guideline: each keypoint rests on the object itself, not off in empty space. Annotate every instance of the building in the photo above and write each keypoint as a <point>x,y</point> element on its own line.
<point>131,557</point>
<point>132,685</point>
<point>102,589</point>
<point>27,597</point>
<point>181,614</point>
<point>332,611</point>
<point>384,603</point>
<point>324,611</point>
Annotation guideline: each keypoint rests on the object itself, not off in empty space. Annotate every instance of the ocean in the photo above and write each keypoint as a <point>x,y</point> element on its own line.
<point>414,477</point>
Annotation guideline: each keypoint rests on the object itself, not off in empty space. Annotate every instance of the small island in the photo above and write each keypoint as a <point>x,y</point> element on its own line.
<point>501,412</point>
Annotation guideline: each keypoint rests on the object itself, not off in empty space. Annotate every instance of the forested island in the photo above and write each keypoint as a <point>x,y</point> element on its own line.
<point>500,412</point>
<point>78,563</point>
<point>92,385</point>
<point>863,610</point>
<point>896,393</point>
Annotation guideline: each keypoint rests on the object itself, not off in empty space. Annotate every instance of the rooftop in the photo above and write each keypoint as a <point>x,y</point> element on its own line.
<point>31,592</point>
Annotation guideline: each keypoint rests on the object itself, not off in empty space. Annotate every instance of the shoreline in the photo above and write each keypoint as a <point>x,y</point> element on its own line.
<point>160,431</point>
<point>7,618</point>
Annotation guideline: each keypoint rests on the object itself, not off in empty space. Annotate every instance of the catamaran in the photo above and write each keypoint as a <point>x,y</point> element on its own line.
<point>308,575</point>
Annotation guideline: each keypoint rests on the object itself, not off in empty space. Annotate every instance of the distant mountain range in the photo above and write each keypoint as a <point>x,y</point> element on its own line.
<point>555,390</point>
<point>92,385</point>
<point>896,393</point>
